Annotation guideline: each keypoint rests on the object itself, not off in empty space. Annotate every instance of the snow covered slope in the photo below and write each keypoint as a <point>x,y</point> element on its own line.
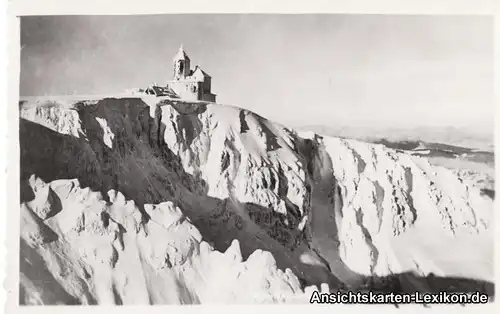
<point>137,201</point>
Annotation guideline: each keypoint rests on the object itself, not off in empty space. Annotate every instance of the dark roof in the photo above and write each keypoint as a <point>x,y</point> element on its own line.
<point>203,72</point>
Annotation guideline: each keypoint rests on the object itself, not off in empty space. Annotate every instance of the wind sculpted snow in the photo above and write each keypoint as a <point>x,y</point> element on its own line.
<point>142,201</point>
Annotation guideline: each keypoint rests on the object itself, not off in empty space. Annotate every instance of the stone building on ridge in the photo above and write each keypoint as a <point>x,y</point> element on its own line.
<point>190,84</point>
<point>185,84</point>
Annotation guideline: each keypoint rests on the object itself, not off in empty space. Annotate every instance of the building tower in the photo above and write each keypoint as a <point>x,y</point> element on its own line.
<point>181,64</point>
<point>189,84</point>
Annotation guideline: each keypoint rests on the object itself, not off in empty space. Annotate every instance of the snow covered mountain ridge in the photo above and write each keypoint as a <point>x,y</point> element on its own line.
<point>160,201</point>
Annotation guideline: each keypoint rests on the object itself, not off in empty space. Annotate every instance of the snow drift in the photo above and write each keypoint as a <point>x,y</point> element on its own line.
<point>159,201</point>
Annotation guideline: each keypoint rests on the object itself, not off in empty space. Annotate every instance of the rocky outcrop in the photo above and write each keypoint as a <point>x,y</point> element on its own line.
<point>105,253</point>
<point>126,202</point>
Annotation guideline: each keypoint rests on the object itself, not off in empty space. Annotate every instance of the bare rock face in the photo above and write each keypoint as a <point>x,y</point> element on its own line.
<point>45,202</point>
<point>124,202</point>
<point>389,195</point>
<point>95,259</point>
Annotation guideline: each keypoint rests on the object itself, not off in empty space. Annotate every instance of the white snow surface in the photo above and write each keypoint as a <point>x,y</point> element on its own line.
<point>142,201</point>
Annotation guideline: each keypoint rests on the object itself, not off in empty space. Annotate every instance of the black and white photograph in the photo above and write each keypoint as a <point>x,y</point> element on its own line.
<point>250,158</point>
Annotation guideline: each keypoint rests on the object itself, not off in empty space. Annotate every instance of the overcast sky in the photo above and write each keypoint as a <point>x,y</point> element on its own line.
<point>311,69</point>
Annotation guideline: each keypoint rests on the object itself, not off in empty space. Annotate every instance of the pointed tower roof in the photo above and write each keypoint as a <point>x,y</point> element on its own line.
<point>181,54</point>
